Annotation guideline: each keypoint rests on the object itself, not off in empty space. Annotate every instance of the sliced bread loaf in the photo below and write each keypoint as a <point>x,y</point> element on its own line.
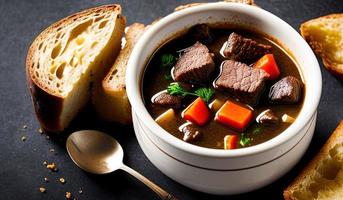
<point>67,57</point>
<point>109,98</point>
<point>325,36</point>
<point>322,178</point>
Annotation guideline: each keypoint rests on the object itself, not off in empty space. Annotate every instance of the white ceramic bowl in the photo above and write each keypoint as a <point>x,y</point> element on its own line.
<point>220,171</point>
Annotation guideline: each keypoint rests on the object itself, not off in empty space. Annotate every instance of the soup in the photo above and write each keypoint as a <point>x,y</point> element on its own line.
<point>222,88</point>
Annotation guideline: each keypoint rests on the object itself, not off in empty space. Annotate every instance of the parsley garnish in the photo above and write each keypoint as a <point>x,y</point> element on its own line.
<point>204,93</point>
<point>176,89</point>
<point>244,140</point>
<point>167,60</point>
<point>257,130</point>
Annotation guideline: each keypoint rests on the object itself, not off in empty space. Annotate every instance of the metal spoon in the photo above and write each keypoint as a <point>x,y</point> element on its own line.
<point>99,153</point>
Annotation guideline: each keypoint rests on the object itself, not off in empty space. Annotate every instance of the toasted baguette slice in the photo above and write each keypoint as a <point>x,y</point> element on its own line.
<point>325,36</point>
<point>323,177</point>
<point>67,57</point>
<point>249,2</point>
<point>110,99</point>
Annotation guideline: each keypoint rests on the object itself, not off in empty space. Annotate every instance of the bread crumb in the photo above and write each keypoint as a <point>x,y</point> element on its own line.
<point>52,167</point>
<point>46,179</point>
<point>45,163</point>
<point>40,130</point>
<point>68,195</point>
<point>62,180</point>
<point>80,191</point>
<point>47,137</point>
<point>52,150</point>
<point>23,138</point>
<point>25,126</point>
<point>42,190</point>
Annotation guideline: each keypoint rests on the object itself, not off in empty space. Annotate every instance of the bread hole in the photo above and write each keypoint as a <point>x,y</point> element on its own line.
<point>37,74</point>
<point>58,85</point>
<point>37,66</point>
<point>40,46</point>
<point>60,70</point>
<point>114,72</point>
<point>56,51</point>
<point>330,169</point>
<point>99,18</point>
<point>58,35</point>
<point>79,29</point>
<point>103,24</point>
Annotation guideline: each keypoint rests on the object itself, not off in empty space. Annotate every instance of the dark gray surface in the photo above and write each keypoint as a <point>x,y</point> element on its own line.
<point>21,168</point>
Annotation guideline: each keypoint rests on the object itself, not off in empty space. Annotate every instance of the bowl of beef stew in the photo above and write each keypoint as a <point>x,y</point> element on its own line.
<point>224,96</point>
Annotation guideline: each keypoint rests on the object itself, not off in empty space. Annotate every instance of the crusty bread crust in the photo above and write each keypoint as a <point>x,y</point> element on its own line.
<point>109,98</point>
<point>181,7</point>
<point>335,138</point>
<point>48,104</point>
<point>133,34</point>
<point>332,66</point>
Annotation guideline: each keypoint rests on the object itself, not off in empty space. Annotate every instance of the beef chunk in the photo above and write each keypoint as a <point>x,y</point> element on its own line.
<point>202,33</point>
<point>286,91</point>
<point>195,65</point>
<point>190,133</point>
<point>167,100</point>
<point>243,82</point>
<point>268,118</point>
<point>244,49</point>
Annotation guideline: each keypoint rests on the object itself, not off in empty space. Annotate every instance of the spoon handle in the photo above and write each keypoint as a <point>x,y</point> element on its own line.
<point>159,191</point>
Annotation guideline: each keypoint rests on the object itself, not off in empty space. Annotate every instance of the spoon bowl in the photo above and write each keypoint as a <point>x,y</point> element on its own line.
<point>95,151</point>
<point>99,153</point>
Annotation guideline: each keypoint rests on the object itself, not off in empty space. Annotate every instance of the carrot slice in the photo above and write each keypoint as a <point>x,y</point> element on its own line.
<point>268,64</point>
<point>197,112</point>
<point>234,116</point>
<point>230,142</point>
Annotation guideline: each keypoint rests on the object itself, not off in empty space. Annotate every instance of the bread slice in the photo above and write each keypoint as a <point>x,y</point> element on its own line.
<point>248,2</point>
<point>323,177</point>
<point>110,99</point>
<point>67,57</point>
<point>325,36</point>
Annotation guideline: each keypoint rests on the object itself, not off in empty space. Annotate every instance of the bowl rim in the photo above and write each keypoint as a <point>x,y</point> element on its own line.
<point>133,85</point>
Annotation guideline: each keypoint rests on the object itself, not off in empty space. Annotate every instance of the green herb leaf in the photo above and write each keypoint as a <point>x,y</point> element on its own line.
<point>257,130</point>
<point>244,140</point>
<point>176,89</point>
<point>167,60</point>
<point>205,93</point>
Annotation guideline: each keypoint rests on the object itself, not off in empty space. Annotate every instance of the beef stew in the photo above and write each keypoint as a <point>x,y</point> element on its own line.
<point>223,88</point>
